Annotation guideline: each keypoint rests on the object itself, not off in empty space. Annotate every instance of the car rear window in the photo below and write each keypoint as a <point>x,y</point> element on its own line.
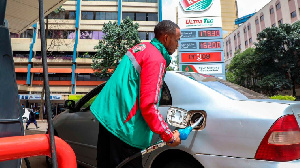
<point>226,88</point>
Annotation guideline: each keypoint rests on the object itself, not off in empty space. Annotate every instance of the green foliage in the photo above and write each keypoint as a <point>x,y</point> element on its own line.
<point>116,41</point>
<point>169,68</point>
<point>59,9</point>
<point>241,70</point>
<point>78,97</point>
<point>278,57</point>
<point>273,65</point>
<point>281,97</point>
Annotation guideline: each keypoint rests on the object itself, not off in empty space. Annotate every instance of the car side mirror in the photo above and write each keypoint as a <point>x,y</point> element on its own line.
<point>70,104</point>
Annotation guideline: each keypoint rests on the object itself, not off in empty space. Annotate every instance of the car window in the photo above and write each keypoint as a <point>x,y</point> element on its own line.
<point>226,88</point>
<point>165,98</point>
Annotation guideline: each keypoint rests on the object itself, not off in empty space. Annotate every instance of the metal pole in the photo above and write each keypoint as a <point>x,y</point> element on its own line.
<point>2,11</point>
<point>46,83</point>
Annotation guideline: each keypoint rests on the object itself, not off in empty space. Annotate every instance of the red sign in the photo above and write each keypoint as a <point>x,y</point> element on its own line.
<point>188,3</point>
<point>201,57</point>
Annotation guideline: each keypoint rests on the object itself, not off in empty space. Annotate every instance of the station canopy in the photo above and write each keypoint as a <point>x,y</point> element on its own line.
<point>22,14</point>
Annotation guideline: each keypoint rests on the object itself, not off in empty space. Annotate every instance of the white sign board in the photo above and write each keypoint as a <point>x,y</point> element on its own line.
<point>214,68</point>
<point>213,10</point>
<point>201,22</point>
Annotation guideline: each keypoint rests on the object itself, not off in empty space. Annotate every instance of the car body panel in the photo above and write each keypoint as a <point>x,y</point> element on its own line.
<point>243,123</point>
<point>213,161</point>
<point>68,125</point>
<point>234,127</point>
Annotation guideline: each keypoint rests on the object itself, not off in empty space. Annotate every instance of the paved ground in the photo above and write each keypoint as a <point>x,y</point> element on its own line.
<point>37,161</point>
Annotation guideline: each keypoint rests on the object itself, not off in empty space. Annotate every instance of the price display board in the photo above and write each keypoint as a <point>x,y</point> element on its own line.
<point>210,33</point>
<point>200,45</point>
<point>198,57</point>
<point>210,45</point>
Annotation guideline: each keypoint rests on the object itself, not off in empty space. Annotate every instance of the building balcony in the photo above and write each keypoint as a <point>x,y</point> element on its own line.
<point>20,59</point>
<point>53,60</point>
<point>88,61</point>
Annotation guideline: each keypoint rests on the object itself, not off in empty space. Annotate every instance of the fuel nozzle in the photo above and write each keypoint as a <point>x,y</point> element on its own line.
<point>184,133</point>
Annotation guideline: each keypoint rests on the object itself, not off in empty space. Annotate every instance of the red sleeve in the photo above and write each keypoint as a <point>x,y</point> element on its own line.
<point>152,73</point>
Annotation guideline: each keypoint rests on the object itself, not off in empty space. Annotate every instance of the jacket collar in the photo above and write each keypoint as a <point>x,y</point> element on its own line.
<point>162,50</point>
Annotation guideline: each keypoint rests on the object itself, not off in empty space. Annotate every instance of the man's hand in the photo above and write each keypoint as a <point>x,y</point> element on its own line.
<point>177,140</point>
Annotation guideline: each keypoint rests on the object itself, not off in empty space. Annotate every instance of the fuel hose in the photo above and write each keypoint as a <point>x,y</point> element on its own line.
<point>46,84</point>
<point>184,133</point>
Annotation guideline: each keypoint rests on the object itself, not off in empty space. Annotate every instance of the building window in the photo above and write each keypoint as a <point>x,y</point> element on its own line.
<point>87,34</point>
<point>127,14</point>
<point>99,15</point>
<point>280,22</point>
<point>261,17</point>
<point>240,47</point>
<point>27,34</point>
<point>238,34</point>
<point>246,43</point>
<point>106,16</point>
<point>71,15</point>
<point>152,17</point>
<point>14,35</point>
<point>21,54</point>
<point>235,48</point>
<point>53,77</point>
<point>89,77</point>
<point>151,1</point>
<point>60,34</point>
<point>271,11</point>
<point>293,14</point>
<point>234,37</point>
<point>99,0</point>
<point>245,30</point>
<point>256,21</point>
<point>57,15</point>
<point>249,27</point>
<point>278,6</point>
<point>87,15</point>
<point>250,40</point>
<point>21,76</point>
<point>146,35</point>
<point>273,25</point>
<point>140,16</point>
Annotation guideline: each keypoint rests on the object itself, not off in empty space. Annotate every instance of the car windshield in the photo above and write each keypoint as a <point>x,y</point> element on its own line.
<point>226,88</point>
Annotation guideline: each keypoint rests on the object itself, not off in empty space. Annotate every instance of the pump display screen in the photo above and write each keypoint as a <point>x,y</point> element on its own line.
<point>210,45</point>
<point>209,33</point>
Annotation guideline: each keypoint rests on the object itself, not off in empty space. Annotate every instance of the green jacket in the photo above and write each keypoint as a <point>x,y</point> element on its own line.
<point>128,104</point>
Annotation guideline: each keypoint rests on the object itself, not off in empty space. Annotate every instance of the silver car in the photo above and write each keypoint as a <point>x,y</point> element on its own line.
<point>242,128</point>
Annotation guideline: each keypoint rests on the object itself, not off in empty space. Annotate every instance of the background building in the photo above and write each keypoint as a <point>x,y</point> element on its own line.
<point>274,13</point>
<point>73,31</point>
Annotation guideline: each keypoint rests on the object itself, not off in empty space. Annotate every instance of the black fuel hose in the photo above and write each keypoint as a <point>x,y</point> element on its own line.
<point>46,84</point>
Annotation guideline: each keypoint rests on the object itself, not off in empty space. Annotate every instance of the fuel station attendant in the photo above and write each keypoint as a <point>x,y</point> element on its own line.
<point>127,106</point>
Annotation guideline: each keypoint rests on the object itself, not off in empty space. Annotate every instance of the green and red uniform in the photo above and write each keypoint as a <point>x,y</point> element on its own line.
<point>128,104</point>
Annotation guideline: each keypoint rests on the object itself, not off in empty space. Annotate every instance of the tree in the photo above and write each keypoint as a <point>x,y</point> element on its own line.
<point>116,41</point>
<point>241,70</point>
<point>278,58</point>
